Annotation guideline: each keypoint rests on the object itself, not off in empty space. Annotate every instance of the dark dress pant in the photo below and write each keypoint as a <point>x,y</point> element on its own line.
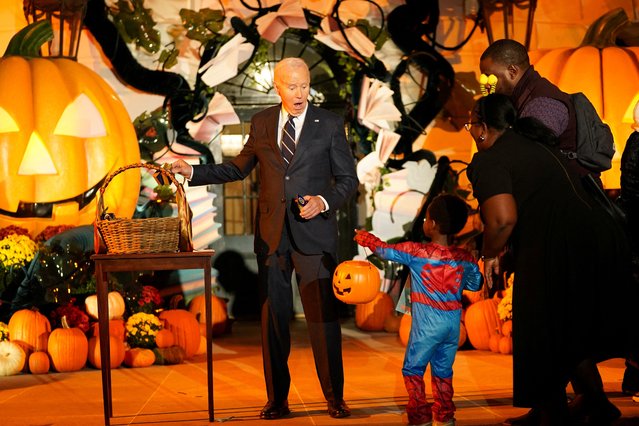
<point>314,275</point>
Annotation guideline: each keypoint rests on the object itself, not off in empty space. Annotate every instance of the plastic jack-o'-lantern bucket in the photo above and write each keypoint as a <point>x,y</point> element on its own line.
<point>356,281</point>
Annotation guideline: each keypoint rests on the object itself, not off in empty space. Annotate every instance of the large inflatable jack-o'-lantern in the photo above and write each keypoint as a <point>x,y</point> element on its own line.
<point>356,281</point>
<point>62,131</point>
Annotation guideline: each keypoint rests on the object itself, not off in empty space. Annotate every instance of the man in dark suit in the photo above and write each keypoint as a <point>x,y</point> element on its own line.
<point>306,173</point>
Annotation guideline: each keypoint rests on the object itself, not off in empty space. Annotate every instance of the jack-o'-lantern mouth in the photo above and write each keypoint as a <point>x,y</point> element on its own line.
<point>45,210</point>
<point>342,291</point>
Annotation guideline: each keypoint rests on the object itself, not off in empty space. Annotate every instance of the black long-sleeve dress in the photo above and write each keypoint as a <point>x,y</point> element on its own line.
<point>629,197</point>
<point>572,288</point>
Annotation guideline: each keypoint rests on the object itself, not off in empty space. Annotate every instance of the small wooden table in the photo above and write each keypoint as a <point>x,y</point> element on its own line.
<point>105,263</point>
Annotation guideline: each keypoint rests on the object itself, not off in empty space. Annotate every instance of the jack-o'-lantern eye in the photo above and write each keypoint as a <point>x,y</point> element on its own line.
<point>81,118</point>
<point>7,123</point>
<point>36,159</point>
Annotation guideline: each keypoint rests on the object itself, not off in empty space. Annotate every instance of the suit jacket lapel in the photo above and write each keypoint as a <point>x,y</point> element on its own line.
<point>271,123</point>
<point>308,132</point>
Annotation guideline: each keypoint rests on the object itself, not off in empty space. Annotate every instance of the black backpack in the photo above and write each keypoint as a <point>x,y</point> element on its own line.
<point>595,144</point>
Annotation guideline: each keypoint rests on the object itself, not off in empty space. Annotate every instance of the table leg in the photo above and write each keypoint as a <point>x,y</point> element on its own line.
<point>103,326</point>
<point>209,336</point>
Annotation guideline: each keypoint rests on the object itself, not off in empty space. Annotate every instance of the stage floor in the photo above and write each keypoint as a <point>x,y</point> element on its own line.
<point>177,395</point>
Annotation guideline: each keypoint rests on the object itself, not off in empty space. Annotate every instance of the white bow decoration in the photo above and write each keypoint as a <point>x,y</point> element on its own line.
<point>376,107</point>
<point>368,168</point>
<point>289,15</point>
<point>330,34</point>
<point>220,112</point>
<point>224,65</point>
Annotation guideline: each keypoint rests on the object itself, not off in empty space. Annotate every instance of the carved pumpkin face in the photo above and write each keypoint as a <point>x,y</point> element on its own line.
<point>62,131</point>
<point>356,281</point>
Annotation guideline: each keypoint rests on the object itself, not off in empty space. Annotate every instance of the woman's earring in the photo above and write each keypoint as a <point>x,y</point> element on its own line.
<point>481,138</point>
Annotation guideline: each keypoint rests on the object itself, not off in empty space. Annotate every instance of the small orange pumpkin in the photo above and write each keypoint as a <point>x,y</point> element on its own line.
<point>219,314</point>
<point>493,342</point>
<point>356,281</point>
<point>470,297</point>
<point>463,335</point>
<point>507,328</point>
<point>164,339</point>
<point>139,357</point>
<point>404,328</point>
<point>29,329</point>
<point>372,315</point>
<point>482,321</point>
<point>185,329</point>
<point>68,348</point>
<point>391,323</point>
<point>202,349</point>
<point>39,363</point>
<point>116,328</point>
<point>116,350</point>
<point>506,345</point>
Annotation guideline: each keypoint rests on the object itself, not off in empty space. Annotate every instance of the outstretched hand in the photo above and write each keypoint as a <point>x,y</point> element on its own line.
<point>182,167</point>
<point>360,235</point>
<point>366,239</point>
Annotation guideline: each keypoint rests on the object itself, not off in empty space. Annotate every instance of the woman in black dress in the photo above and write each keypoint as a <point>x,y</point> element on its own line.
<point>571,292</point>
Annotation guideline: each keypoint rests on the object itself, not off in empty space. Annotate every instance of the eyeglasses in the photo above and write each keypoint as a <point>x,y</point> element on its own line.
<point>470,124</point>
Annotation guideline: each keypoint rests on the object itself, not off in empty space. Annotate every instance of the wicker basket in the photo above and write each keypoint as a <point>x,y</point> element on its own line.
<point>130,236</point>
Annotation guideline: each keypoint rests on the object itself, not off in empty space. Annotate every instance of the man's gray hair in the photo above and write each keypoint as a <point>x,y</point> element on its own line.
<point>289,63</point>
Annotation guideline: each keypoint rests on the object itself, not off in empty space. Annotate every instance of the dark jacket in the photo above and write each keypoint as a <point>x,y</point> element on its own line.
<point>323,165</point>
<point>629,197</point>
<point>532,85</point>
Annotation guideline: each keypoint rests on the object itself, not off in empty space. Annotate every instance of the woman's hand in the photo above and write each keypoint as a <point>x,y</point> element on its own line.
<point>491,268</point>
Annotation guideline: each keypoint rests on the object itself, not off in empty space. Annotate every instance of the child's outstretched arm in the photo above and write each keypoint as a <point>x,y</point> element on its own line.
<point>400,253</point>
<point>368,240</point>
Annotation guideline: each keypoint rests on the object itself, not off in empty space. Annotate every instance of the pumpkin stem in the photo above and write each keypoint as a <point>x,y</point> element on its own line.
<point>65,323</point>
<point>28,40</point>
<point>603,32</point>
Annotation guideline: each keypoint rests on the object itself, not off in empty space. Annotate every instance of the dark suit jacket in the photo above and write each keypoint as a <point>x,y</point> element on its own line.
<point>323,165</point>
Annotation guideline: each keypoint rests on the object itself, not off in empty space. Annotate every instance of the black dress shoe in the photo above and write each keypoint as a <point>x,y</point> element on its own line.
<point>338,409</point>
<point>273,410</point>
<point>529,419</point>
<point>630,383</point>
<point>593,410</point>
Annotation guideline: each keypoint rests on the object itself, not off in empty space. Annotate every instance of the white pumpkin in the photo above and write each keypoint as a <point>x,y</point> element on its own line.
<point>12,358</point>
<point>116,305</point>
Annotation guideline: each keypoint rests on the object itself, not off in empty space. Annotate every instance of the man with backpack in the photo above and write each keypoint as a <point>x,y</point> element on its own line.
<point>584,139</point>
<point>505,66</point>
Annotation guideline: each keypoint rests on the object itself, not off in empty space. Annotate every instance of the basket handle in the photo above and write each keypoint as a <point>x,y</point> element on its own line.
<point>100,208</point>
<point>184,210</point>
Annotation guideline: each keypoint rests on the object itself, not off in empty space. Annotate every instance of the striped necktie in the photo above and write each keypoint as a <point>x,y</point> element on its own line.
<point>288,140</point>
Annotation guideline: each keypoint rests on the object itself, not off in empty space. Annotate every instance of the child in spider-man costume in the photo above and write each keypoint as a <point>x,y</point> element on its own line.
<point>438,274</point>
